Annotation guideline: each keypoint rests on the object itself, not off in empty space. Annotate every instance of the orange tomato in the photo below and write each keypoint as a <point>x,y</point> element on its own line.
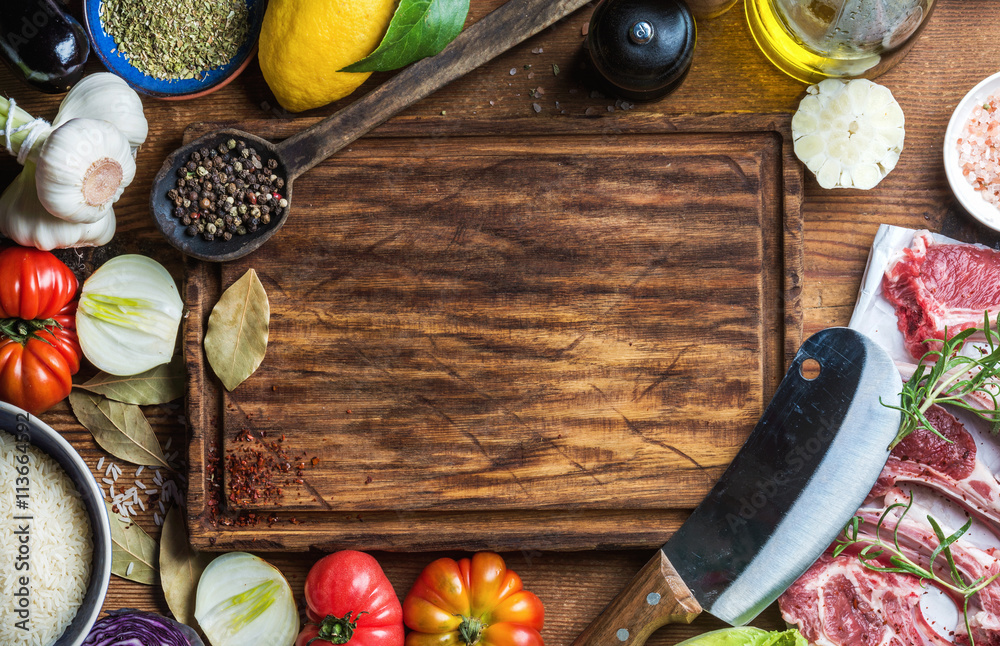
<point>472,602</point>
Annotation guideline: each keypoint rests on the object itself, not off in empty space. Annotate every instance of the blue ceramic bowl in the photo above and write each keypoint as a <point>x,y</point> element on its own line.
<point>14,421</point>
<point>103,44</point>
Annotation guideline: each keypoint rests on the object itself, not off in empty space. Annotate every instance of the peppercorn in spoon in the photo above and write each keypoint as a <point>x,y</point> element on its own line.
<point>233,182</point>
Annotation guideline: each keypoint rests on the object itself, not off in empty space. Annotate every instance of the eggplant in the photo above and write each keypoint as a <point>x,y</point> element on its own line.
<point>43,43</point>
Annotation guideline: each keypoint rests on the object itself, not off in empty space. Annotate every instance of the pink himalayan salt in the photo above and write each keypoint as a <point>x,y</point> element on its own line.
<point>979,149</point>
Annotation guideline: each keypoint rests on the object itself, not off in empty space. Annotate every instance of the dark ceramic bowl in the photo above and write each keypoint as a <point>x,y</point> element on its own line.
<point>103,45</point>
<point>14,420</point>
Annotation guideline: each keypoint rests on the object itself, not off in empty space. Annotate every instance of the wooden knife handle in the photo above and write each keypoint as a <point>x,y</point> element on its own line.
<point>656,596</point>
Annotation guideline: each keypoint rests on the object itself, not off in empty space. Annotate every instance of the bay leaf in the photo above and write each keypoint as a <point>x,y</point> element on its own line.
<point>160,385</point>
<point>419,28</point>
<point>120,429</point>
<point>130,545</point>
<point>236,340</point>
<point>180,567</point>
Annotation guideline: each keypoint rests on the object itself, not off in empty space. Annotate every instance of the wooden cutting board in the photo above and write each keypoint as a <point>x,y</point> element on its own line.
<point>511,335</point>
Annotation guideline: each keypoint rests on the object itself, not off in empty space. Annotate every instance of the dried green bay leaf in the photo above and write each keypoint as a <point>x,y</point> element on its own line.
<point>180,567</point>
<point>133,551</point>
<point>120,429</point>
<point>236,340</point>
<point>159,385</point>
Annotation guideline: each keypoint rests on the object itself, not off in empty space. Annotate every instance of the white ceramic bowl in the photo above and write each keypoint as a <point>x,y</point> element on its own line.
<point>970,199</point>
<point>45,438</point>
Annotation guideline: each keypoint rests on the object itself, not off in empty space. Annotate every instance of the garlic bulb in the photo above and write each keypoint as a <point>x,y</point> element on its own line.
<point>82,169</point>
<point>849,133</point>
<point>24,220</point>
<point>106,96</point>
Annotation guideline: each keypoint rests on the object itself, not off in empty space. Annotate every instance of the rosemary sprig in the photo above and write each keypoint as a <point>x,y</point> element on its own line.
<point>875,550</point>
<point>946,376</point>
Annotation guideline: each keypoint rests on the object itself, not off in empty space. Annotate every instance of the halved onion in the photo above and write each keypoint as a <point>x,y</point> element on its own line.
<point>243,600</point>
<point>128,316</point>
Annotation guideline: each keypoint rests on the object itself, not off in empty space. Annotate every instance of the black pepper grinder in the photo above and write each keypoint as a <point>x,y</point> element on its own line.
<point>641,49</point>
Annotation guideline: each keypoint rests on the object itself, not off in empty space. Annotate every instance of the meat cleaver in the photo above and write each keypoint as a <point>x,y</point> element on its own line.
<point>805,469</point>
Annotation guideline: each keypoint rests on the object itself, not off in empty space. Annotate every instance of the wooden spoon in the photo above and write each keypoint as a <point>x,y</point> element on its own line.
<point>505,27</point>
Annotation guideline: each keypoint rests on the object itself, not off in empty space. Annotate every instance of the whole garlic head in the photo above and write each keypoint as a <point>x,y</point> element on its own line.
<point>107,97</point>
<point>24,220</point>
<point>83,167</point>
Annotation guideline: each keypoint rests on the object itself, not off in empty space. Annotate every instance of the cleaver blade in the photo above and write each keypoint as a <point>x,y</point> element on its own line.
<point>805,469</point>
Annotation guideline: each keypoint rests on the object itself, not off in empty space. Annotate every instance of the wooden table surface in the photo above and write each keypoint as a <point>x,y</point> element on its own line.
<point>955,52</point>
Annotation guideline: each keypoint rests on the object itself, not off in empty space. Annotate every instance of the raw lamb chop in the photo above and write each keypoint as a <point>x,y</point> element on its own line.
<point>947,466</point>
<point>917,541</point>
<point>840,602</point>
<point>934,286</point>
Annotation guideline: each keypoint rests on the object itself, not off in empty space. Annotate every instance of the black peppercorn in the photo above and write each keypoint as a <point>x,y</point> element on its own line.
<point>221,192</point>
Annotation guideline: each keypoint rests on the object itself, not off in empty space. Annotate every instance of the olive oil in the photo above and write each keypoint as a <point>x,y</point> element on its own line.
<point>812,40</point>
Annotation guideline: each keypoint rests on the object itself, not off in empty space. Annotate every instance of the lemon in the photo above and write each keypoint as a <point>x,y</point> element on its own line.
<point>304,42</point>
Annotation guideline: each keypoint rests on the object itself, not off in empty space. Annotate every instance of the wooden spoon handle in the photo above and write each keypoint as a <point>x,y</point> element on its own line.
<point>656,596</point>
<point>505,27</point>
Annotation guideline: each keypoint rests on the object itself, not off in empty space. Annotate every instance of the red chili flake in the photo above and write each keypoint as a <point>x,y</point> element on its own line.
<point>369,480</point>
<point>314,461</point>
<point>195,216</point>
<point>277,196</point>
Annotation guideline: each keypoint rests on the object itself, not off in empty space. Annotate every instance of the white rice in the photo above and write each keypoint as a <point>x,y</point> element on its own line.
<point>60,548</point>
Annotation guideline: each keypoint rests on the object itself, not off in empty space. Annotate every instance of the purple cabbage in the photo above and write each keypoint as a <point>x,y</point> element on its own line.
<point>129,627</point>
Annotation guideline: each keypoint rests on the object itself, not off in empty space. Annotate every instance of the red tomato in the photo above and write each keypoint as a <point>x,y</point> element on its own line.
<point>39,352</point>
<point>33,284</point>
<point>478,602</point>
<point>351,602</point>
